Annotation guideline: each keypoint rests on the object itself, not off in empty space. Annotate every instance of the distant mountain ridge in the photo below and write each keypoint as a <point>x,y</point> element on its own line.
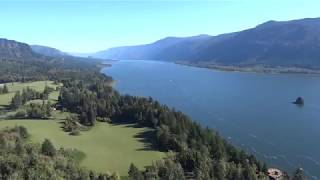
<point>48,51</point>
<point>14,49</point>
<point>169,48</point>
<point>18,62</point>
<point>53,52</point>
<point>273,43</point>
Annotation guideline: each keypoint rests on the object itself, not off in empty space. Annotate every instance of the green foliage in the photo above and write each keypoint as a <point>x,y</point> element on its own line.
<point>265,168</point>
<point>4,89</point>
<point>165,169</point>
<point>107,147</point>
<point>19,147</point>
<point>47,90</point>
<point>47,148</point>
<point>299,175</point>
<point>30,94</point>
<point>219,169</point>
<point>27,94</point>
<point>35,110</point>
<point>249,172</point>
<point>71,124</point>
<point>103,119</point>
<point>22,132</point>
<point>74,154</point>
<point>16,101</point>
<point>21,160</point>
<point>21,114</point>
<point>34,67</point>
<point>38,111</point>
<point>134,173</point>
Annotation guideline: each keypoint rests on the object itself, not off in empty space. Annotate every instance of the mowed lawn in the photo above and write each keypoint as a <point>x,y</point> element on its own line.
<point>37,85</point>
<point>5,99</point>
<point>108,148</point>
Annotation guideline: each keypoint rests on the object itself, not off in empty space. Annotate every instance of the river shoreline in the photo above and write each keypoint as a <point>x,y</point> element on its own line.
<point>212,97</point>
<point>253,69</point>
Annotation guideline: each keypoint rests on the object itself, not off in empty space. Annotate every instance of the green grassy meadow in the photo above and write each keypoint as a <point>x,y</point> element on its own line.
<point>37,85</point>
<point>108,147</point>
<point>5,99</point>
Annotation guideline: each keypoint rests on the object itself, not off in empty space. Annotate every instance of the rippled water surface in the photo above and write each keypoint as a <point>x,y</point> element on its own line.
<point>253,111</point>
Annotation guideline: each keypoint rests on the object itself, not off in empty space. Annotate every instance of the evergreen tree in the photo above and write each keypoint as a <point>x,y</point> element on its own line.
<point>35,110</point>
<point>249,173</point>
<point>47,109</point>
<point>265,168</point>
<point>16,101</point>
<point>23,132</point>
<point>219,170</point>
<point>5,89</point>
<point>19,147</point>
<point>134,173</point>
<point>47,148</point>
<point>299,175</point>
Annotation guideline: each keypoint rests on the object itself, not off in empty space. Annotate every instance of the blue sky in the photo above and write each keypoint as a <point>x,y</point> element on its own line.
<point>89,26</point>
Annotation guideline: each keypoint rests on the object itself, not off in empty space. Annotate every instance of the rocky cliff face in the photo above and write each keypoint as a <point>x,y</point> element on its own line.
<point>13,49</point>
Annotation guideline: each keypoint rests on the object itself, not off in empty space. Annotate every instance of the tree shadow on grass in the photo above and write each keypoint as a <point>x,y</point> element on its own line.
<point>4,107</point>
<point>61,125</point>
<point>147,137</point>
<point>126,124</point>
<point>4,110</point>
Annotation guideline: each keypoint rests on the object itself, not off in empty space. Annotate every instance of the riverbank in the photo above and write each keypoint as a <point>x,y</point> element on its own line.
<point>253,69</point>
<point>209,96</point>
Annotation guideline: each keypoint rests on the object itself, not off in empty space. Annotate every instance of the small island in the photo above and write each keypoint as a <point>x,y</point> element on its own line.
<point>299,101</point>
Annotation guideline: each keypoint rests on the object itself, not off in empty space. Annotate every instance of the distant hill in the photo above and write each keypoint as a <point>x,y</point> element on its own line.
<point>84,55</point>
<point>18,62</point>
<point>167,49</point>
<point>53,52</point>
<point>274,43</point>
<point>48,51</point>
<point>14,49</point>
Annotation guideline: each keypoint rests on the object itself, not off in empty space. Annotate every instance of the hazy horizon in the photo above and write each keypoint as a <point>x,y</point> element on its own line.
<point>86,27</point>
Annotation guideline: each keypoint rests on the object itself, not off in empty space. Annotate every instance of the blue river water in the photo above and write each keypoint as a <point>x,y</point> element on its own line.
<point>252,111</point>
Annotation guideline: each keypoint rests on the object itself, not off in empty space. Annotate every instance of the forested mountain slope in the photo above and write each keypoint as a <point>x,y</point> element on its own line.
<point>20,63</point>
<point>48,51</point>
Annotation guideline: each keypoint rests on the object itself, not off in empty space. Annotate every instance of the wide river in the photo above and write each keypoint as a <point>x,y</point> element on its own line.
<point>253,111</point>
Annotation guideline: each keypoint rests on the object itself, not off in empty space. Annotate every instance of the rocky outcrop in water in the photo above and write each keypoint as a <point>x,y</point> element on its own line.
<point>299,101</point>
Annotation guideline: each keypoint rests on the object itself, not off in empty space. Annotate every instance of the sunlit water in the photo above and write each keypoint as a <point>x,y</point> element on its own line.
<point>253,111</point>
